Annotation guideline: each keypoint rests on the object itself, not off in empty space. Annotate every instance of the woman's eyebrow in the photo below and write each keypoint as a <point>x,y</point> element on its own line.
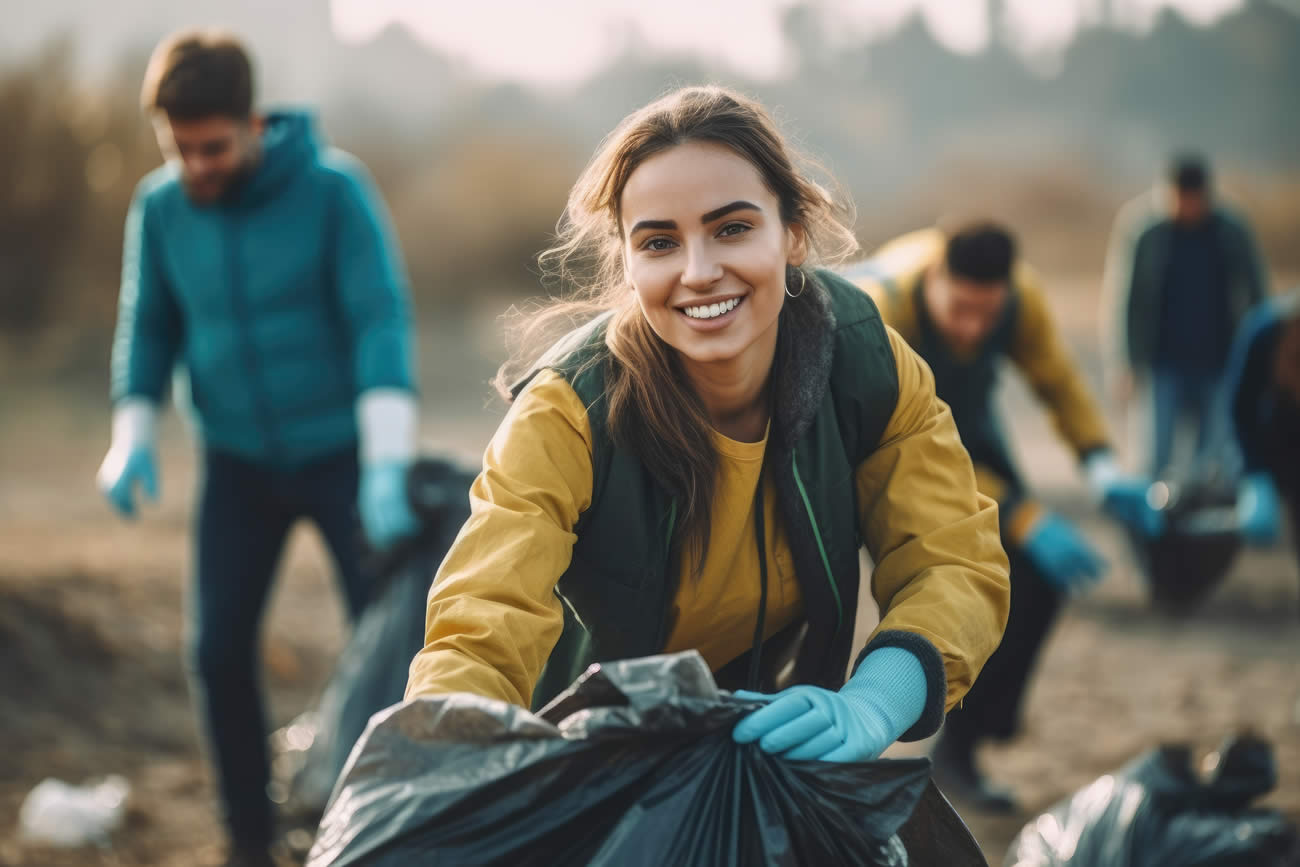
<point>715,214</point>
<point>718,213</point>
<point>653,224</point>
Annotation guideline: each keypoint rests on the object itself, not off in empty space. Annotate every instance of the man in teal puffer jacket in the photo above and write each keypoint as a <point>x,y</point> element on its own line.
<point>263,263</point>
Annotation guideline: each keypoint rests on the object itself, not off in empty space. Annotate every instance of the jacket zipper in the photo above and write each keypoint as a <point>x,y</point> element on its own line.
<point>248,350</point>
<point>670,582</point>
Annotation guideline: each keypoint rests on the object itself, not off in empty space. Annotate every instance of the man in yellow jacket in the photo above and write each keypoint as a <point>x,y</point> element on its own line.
<point>964,303</point>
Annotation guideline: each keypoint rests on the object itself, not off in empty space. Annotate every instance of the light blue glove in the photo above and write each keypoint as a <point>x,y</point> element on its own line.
<point>1258,510</point>
<point>130,459</point>
<point>386,513</point>
<point>883,699</point>
<point>117,479</point>
<point>1123,497</point>
<point>1061,553</point>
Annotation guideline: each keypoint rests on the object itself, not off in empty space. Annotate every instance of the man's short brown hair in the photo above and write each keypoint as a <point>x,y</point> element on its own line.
<point>198,74</point>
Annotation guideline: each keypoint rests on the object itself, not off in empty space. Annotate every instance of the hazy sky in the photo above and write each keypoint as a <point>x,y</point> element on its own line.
<point>564,40</point>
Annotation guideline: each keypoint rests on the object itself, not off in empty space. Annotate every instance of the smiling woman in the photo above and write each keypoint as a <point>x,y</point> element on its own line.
<point>697,466</point>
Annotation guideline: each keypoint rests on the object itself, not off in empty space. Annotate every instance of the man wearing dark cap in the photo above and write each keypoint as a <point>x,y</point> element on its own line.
<point>1182,270</point>
<point>964,302</point>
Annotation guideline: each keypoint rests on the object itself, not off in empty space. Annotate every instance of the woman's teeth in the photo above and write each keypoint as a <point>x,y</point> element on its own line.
<point>711,311</point>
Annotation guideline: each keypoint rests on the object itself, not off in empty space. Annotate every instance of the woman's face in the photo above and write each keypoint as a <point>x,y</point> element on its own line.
<point>706,252</point>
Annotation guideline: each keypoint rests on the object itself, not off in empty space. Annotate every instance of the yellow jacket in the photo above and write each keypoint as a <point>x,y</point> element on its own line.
<point>897,270</point>
<point>493,616</point>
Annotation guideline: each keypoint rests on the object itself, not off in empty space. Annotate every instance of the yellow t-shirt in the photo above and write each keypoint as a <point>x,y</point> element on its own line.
<point>721,604</point>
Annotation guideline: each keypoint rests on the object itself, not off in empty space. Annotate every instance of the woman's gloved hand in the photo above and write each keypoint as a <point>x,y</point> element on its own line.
<point>1062,554</point>
<point>883,699</point>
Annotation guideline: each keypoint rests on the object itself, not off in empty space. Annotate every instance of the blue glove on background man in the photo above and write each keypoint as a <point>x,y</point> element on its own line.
<point>1062,554</point>
<point>131,457</point>
<point>386,418</point>
<point>1258,511</point>
<point>883,699</point>
<point>1123,496</point>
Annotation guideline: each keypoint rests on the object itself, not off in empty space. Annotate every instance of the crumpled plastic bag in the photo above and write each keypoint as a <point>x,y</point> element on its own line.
<point>59,814</point>
<point>633,765</point>
<point>1157,813</point>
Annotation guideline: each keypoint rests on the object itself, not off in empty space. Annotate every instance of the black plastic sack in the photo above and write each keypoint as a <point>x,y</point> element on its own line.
<point>632,765</point>
<point>371,672</point>
<point>1157,813</point>
<point>1200,541</point>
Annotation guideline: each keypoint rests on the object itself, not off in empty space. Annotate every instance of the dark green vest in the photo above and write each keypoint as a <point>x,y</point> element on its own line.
<point>968,385</point>
<point>835,389</point>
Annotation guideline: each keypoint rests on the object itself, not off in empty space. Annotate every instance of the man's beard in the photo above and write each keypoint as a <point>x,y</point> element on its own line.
<point>217,188</point>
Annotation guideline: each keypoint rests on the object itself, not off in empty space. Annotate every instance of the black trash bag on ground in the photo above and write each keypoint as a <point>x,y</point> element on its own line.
<point>1199,543</point>
<point>633,765</point>
<point>1157,813</point>
<point>371,672</point>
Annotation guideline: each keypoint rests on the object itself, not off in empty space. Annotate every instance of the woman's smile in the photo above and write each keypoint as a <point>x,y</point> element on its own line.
<point>712,315</point>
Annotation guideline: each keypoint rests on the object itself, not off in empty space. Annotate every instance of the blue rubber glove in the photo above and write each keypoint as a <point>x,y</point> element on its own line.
<point>130,459</point>
<point>1258,512</point>
<point>1122,496</point>
<point>386,513</point>
<point>117,479</point>
<point>883,699</point>
<point>1061,553</point>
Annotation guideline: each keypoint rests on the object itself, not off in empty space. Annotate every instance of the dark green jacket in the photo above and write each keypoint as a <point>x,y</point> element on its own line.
<point>1136,264</point>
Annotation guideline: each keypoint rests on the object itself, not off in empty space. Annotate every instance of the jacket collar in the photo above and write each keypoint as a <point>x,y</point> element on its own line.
<point>804,353</point>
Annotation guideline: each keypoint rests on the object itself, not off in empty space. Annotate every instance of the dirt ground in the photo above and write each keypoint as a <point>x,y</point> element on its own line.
<point>91,628</point>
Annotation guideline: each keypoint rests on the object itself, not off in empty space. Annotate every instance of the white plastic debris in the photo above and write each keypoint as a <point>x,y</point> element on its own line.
<point>60,814</point>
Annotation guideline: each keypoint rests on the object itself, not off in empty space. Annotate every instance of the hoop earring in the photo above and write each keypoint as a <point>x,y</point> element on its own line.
<point>803,284</point>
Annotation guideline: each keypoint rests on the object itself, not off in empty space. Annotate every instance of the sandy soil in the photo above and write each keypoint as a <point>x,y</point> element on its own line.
<point>91,628</point>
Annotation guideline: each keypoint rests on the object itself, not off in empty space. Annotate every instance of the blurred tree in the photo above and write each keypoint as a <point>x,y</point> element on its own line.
<point>43,187</point>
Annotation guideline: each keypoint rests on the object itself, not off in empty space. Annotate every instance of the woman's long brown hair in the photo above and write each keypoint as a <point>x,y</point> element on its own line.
<point>652,409</point>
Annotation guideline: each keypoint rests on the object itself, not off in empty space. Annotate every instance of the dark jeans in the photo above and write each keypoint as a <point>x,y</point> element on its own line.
<point>245,512</point>
<point>1176,397</point>
<point>992,707</point>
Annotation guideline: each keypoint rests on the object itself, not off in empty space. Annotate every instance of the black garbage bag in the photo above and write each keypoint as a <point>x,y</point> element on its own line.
<point>1157,813</point>
<point>371,672</point>
<point>1200,541</point>
<point>632,765</point>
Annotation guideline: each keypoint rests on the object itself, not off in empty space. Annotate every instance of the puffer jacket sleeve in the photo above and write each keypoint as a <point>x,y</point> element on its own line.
<point>370,279</point>
<point>149,323</point>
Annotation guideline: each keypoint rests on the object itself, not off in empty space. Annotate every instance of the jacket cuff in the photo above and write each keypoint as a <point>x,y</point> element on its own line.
<point>1018,520</point>
<point>134,423</point>
<point>936,680</point>
<point>386,421</point>
<point>1088,452</point>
